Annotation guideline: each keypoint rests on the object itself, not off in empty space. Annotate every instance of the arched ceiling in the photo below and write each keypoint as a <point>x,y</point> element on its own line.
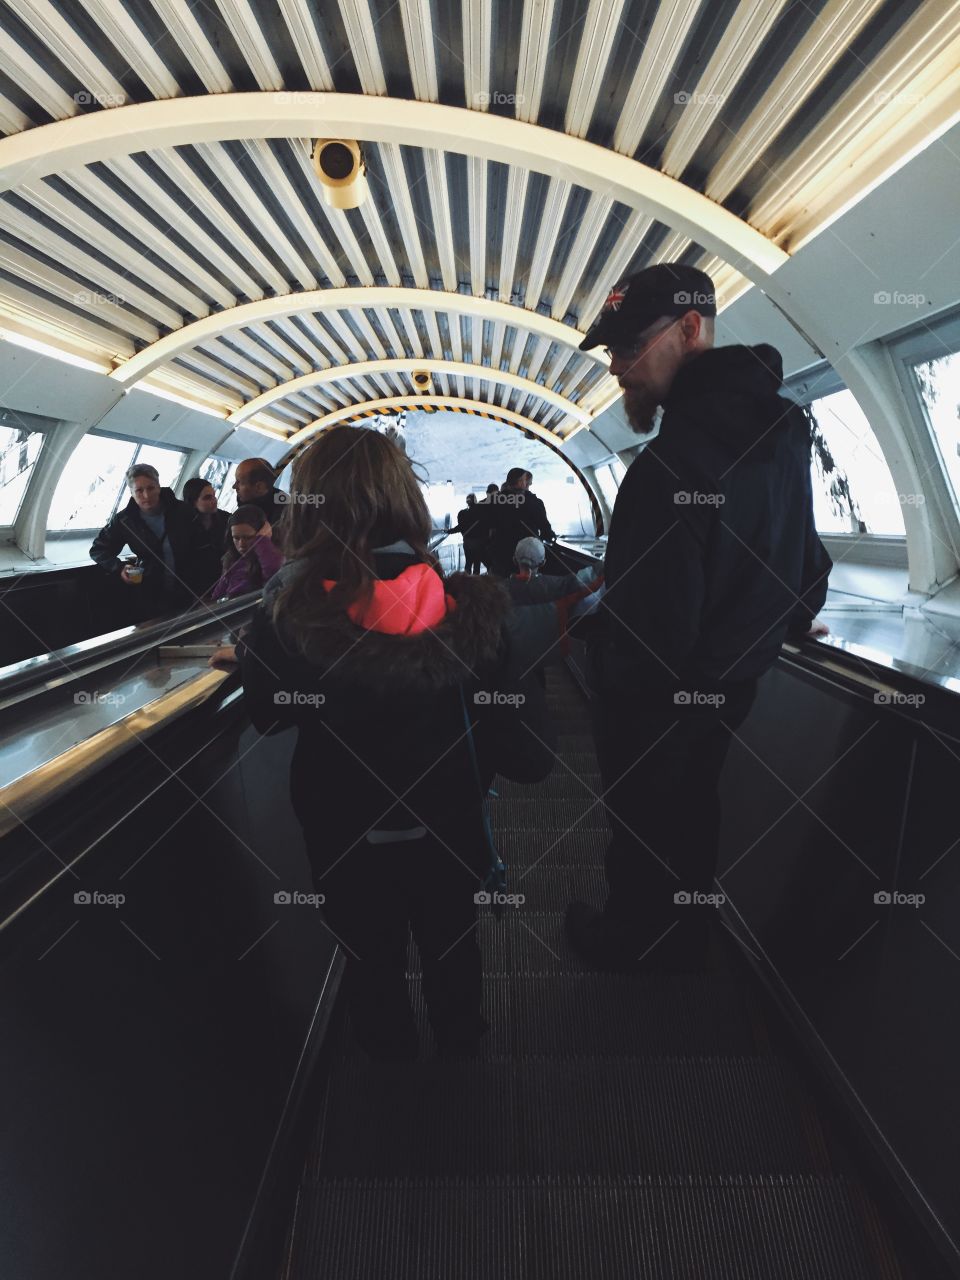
<point>716,133</point>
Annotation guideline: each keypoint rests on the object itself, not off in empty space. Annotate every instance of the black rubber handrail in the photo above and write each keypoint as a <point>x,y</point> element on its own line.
<point>46,671</point>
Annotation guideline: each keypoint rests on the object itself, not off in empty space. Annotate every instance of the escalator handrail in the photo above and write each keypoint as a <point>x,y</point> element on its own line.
<point>47,671</point>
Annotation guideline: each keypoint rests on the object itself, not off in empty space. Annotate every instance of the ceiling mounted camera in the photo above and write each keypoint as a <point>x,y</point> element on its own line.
<point>422,379</point>
<point>340,166</point>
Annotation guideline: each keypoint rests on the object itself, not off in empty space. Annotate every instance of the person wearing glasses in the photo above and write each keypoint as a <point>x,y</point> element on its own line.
<point>712,560</point>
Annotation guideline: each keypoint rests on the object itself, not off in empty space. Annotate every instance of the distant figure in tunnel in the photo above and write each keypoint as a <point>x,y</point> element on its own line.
<point>712,561</point>
<point>255,482</point>
<point>386,669</point>
<point>251,559</point>
<point>515,513</point>
<point>473,527</point>
<point>211,530</point>
<point>161,532</point>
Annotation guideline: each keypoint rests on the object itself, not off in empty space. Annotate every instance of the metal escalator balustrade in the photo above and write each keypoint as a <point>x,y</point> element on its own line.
<point>613,1126</point>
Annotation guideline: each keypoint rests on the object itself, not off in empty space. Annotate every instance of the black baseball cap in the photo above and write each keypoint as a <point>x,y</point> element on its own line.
<point>667,289</point>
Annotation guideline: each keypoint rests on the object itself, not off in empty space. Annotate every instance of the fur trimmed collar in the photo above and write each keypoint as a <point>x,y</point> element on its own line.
<point>467,640</point>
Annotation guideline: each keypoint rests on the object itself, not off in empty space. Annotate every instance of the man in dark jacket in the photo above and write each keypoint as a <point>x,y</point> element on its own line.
<point>515,513</point>
<point>472,525</point>
<point>712,561</point>
<point>161,531</point>
<point>254,485</point>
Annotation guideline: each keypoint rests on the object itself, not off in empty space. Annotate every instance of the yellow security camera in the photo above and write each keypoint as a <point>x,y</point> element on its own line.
<point>340,166</point>
<point>422,379</point>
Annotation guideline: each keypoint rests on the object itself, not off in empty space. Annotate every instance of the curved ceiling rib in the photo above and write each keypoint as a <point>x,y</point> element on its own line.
<point>103,135</point>
<point>337,300</point>
<point>390,404</point>
<point>453,368</point>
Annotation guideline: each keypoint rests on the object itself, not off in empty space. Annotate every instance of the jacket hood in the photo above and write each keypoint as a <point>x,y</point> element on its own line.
<point>467,637</point>
<point>732,394</point>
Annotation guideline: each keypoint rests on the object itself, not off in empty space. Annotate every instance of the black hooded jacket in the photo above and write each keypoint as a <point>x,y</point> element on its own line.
<point>713,556</point>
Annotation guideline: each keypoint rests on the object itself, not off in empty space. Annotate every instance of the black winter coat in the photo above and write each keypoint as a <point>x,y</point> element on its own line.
<point>382,719</point>
<point>128,528</point>
<point>513,514</point>
<point>211,545</point>
<point>713,556</point>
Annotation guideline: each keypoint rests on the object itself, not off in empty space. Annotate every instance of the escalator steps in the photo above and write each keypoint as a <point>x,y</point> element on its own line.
<point>550,1117</point>
<point>581,847</point>
<point>534,813</point>
<point>775,1228</point>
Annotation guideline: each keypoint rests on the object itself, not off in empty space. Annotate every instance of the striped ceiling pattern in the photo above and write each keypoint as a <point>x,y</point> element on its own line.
<point>780,112</point>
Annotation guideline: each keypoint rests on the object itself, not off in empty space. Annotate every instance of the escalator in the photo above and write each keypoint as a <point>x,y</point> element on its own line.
<point>613,1126</point>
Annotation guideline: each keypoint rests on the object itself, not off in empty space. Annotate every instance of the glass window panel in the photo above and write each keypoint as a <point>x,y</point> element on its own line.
<point>227,497</point>
<point>19,450</point>
<point>91,484</point>
<point>214,471</point>
<point>858,466</point>
<point>939,384</point>
<point>607,483</point>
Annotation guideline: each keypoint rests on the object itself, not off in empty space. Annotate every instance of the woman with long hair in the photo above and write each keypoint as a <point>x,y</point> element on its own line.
<point>409,691</point>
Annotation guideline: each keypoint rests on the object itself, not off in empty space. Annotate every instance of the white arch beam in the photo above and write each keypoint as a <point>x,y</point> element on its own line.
<point>454,368</point>
<point>479,407</point>
<point>291,304</point>
<point>147,126</point>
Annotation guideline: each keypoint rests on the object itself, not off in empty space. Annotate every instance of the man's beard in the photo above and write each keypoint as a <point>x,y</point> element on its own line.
<point>641,411</point>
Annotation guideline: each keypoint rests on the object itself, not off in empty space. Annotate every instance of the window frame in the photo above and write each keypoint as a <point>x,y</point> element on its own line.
<point>138,443</point>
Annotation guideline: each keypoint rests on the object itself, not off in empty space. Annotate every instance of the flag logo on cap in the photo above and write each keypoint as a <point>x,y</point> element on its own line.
<point>614,298</point>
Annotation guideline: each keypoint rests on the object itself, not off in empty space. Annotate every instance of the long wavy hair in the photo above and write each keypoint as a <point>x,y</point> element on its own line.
<point>351,491</point>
